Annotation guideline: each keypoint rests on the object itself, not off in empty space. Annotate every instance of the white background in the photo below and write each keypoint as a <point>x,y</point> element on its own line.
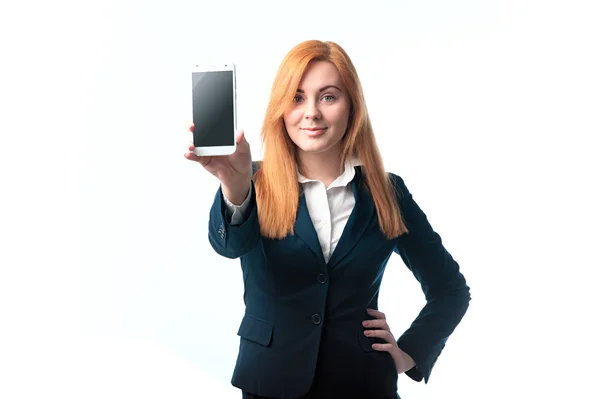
<point>109,289</point>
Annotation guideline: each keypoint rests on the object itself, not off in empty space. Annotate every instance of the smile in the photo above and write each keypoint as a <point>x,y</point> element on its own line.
<point>314,131</point>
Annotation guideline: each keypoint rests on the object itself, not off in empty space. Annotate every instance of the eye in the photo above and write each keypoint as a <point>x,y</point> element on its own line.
<point>297,99</point>
<point>328,98</point>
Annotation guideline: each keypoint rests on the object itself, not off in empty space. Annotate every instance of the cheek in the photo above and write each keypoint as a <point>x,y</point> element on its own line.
<point>292,117</point>
<point>341,117</point>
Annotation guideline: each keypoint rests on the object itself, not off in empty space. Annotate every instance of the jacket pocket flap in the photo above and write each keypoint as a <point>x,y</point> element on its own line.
<point>256,330</point>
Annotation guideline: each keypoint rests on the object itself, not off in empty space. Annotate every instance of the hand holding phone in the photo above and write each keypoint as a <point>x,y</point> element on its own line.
<point>233,171</point>
<point>216,146</point>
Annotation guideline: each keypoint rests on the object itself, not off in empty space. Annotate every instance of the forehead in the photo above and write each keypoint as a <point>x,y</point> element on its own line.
<point>319,74</point>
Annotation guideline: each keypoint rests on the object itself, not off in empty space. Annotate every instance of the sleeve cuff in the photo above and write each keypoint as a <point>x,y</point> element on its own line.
<point>415,374</point>
<point>237,214</point>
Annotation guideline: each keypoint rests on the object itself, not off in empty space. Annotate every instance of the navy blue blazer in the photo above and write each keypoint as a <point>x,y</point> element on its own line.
<point>303,317</point>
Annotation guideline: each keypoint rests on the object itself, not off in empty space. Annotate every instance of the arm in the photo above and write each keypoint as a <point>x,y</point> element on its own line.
<point>238,214</point>
<point>444,286</point>
<point>233,229</point>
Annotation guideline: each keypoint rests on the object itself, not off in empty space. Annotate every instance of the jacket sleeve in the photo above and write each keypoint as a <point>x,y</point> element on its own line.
<point>446,292</point>
<point>233,240</point>
<point>238,214</point>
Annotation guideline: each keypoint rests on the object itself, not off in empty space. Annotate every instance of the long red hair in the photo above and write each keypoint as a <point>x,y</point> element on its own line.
<point>276,181</point>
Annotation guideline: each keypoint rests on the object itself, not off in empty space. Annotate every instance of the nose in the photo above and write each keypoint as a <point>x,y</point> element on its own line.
<point>312,111</point>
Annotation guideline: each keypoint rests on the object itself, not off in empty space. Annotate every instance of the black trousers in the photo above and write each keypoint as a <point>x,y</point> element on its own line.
<point>317,395</point>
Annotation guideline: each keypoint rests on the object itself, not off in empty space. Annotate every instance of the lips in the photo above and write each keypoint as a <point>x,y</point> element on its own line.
<point>314,131</point>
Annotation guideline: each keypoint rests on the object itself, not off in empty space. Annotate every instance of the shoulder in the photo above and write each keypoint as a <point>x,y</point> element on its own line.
<point>398,184</point>
<point>395,181</point>
<point>394,178</point>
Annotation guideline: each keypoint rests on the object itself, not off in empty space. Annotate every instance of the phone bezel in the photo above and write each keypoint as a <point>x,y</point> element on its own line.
<point>219,150</point>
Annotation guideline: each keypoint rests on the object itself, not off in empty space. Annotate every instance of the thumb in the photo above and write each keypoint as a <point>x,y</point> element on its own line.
<point>241,141</point>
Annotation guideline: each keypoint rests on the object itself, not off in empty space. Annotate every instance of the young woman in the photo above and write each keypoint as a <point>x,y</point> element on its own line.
<point>314,225</point>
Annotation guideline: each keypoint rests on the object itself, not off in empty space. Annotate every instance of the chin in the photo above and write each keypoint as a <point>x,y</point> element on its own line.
<point>315,145</point>
<point>315,148</point>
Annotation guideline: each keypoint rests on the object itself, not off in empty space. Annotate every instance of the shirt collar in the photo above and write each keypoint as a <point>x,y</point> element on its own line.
<point>343,179</point>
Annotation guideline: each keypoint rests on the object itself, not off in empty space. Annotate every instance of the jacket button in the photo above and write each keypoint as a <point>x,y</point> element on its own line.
<point>321,278</point>
<point>316,319</point>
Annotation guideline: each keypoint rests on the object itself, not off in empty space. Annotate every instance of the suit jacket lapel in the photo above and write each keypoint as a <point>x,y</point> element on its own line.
<point>360,219</point>
<point>304,229</point>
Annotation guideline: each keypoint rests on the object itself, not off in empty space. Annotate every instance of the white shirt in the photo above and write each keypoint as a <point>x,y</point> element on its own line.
<point>329,207</point>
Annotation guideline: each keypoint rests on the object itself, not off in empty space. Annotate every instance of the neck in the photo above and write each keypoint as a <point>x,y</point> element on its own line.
<point>324,167</point>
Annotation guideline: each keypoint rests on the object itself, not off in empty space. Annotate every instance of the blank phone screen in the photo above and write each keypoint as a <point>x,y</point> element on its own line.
<point>213,99</point>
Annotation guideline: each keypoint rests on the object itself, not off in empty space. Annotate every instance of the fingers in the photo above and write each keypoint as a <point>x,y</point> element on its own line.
<point>384,347</point>
<point>204,161</point>
<point>190,153</point>
<point>377,323</point>
<point>189,128</point>
<point>383,334</point>
<point>376,313</point>
<point>242,144</point>
<point>380,323</point>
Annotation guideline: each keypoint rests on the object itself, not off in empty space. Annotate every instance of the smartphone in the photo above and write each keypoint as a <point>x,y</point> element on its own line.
<point>214,109</point>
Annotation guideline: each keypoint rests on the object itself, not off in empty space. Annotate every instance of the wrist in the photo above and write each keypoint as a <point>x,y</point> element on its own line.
<point>236,193</point>
<point>407,361</point>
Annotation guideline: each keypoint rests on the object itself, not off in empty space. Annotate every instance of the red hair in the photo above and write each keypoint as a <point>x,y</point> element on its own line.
<point>276,181</point>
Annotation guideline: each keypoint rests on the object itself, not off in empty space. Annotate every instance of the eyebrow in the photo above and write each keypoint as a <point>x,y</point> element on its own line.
<point>322,88</point>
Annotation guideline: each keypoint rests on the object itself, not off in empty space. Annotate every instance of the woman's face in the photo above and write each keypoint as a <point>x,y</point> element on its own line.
<point>318,118</point>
